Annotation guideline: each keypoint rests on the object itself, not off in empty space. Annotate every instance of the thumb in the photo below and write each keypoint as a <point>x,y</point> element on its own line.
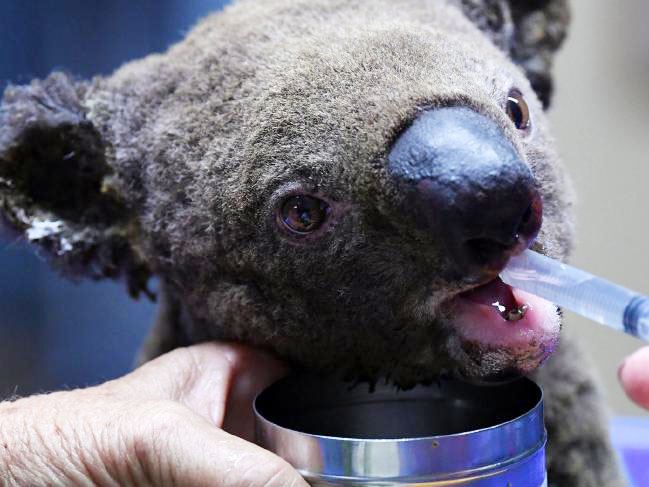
<point>214,380</point>
<point>634,376</point>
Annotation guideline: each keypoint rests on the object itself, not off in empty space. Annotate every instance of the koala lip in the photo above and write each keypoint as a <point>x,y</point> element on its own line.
<point>481,316</point>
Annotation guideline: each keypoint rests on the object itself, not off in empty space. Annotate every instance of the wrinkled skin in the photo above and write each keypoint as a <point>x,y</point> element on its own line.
<point>188,156</point>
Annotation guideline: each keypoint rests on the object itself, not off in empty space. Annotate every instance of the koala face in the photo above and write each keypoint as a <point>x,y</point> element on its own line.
<point>340,182</point>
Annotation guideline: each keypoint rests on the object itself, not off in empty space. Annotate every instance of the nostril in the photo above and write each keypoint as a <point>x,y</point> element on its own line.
<point>527,215</point>
<point>530,224</point>
<point>488,252</point>
<point>494,250</point>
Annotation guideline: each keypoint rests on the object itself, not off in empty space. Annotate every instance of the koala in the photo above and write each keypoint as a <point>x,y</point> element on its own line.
<point>339,182</point>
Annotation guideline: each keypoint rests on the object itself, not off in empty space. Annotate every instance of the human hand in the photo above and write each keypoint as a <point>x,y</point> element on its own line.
<point>163,424</point>
<point>634,376</point>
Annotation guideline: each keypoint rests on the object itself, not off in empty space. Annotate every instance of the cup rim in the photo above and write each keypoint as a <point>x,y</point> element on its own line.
<point>477,453</point>
<point>261,418</point>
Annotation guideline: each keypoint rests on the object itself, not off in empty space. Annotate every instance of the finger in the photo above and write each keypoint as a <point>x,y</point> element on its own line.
<point>634,376</point>
<point>204,376</point>
<point>190,451</point>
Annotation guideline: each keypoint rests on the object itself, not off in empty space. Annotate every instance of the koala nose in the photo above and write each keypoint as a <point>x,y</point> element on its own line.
<point>462,182</point>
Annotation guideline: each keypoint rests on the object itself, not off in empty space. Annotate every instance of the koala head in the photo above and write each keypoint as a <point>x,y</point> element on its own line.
<point>337,181</point>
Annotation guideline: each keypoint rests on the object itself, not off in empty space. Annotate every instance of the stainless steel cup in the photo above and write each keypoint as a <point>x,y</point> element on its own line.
<point>446,434</point>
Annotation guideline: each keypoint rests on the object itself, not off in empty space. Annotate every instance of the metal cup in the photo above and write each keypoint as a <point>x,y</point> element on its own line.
<point>445,434</point>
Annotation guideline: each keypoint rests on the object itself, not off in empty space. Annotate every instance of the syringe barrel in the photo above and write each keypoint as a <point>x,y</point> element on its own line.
<point>579,291</point>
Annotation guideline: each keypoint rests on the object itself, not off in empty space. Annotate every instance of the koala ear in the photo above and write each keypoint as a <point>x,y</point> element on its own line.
<point>55,183</point>
<point>530,31</point>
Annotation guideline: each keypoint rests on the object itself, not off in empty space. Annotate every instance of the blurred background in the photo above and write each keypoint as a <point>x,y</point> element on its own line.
<point>54,333</point>
<point>600,118</point>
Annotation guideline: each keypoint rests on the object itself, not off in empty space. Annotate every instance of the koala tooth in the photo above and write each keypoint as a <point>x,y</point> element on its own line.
<point>515,314</point>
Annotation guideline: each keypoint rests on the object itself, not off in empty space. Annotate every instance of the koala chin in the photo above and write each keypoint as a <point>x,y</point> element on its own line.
<point>337,181</point>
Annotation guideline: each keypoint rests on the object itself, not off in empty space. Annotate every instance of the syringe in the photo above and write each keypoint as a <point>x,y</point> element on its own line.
<point>581,292</point>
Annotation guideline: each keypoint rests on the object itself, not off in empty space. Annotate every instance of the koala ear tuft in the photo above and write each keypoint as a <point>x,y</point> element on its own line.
<point>530,31</point>
<point>55,183</point>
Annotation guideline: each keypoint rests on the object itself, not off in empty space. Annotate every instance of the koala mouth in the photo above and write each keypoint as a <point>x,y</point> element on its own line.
<point>495,319</point>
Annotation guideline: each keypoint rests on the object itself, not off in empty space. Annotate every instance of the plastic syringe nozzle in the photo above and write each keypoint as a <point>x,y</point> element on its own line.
<point>579,291</point>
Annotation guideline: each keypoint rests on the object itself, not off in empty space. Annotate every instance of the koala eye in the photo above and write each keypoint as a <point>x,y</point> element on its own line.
<point>303,214</point>
<point>518,110</point>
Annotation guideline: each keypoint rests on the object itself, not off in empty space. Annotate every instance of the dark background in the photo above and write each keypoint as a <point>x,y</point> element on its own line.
<point>55,333</point>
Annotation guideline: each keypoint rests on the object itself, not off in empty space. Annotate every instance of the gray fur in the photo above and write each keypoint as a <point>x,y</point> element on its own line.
<point>191,150</point>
